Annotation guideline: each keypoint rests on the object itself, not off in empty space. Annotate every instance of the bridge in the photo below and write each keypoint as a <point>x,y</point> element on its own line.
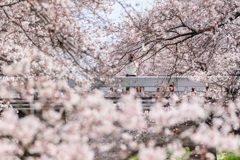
<point>153,85</point>
<point>142,85</point>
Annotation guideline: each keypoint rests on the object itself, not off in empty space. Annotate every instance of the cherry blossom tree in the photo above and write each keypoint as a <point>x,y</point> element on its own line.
<point>54,32</point>
<point>198,39</point>
<point>43,43</point>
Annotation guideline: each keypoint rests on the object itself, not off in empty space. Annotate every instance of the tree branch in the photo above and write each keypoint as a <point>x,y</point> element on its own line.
<point>11,4</point>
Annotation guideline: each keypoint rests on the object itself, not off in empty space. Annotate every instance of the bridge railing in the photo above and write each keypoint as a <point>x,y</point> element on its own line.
<point>158,84</point>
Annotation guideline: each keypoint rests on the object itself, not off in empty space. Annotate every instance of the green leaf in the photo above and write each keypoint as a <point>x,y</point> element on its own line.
<point>133,158</point>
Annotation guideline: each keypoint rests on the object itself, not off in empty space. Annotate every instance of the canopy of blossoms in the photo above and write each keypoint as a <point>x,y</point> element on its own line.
<point>45,43</point>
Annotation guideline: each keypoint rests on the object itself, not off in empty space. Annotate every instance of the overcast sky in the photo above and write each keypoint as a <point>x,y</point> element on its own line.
<point>118,10</point>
